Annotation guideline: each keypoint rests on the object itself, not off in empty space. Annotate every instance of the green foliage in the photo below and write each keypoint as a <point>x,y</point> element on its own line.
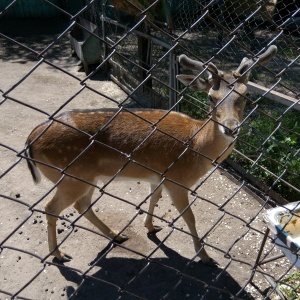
<point>195,105</point>
<point>290,286</point>
<point>273,142</point>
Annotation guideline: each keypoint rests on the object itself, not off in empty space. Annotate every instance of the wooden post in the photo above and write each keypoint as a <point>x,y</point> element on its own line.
<point>273,95</point>
<point>145,59</point>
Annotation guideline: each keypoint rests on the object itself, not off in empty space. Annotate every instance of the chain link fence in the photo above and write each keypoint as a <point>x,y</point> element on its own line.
<point>88,55</point>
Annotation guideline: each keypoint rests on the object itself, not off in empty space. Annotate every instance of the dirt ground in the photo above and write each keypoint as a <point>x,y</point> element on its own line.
<point>144,267</point>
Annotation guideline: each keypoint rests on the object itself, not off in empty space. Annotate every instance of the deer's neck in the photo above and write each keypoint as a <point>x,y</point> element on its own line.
<point>212,143</point>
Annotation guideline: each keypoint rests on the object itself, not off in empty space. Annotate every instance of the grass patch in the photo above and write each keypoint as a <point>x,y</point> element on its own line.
<point>290,286</point>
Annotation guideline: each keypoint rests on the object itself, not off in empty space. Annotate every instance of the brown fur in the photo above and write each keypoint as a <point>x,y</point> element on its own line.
<point>157,144</point>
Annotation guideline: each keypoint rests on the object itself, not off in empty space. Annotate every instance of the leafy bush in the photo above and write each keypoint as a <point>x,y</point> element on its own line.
<point>272,143</point>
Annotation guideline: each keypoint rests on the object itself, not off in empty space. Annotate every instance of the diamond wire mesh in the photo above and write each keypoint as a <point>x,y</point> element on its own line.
<point>233,230</point>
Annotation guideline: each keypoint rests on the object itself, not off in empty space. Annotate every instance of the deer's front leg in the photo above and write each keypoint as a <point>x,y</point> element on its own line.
<point>156,194</point>
<point>180,199</point>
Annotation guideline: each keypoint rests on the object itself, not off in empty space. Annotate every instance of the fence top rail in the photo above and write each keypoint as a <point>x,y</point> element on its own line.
<point>274,95</point>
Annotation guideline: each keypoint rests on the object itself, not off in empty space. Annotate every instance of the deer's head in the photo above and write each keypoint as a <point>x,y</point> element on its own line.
<point>226,90</point>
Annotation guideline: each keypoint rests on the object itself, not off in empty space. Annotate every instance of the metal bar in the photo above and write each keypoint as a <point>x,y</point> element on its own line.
<point>155,40</point>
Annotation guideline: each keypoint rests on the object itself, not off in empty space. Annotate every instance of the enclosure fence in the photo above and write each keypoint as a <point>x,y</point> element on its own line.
<point>129,52</point>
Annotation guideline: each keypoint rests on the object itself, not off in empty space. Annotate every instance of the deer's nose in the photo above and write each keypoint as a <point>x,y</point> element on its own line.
<point>231,127</point>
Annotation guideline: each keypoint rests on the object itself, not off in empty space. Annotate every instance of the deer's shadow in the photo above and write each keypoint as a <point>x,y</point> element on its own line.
<point>172,277</point>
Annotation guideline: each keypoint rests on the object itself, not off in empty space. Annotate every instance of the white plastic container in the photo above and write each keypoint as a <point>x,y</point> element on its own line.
<point>284,223</point>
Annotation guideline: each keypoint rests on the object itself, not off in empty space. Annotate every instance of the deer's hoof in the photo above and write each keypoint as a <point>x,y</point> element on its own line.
<point>155,230</point>
<point>66,258</point>
<point>210,262</point>
<point>121,238</point>
<point>63,257</point>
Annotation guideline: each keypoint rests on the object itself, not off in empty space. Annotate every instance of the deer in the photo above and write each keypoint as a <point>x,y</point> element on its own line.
<point>167,149</point>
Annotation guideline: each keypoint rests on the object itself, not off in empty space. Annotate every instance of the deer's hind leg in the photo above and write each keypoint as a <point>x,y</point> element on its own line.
<point>82,206</point>
<point>66,194</point>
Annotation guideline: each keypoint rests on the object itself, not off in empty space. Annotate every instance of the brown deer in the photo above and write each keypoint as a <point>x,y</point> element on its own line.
<point>167,149</point>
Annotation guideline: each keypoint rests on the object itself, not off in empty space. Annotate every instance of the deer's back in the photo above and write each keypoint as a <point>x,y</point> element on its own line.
<point>104,140</point>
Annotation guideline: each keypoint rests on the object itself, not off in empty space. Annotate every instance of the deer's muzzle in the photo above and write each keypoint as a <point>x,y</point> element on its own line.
<point>230,127</point>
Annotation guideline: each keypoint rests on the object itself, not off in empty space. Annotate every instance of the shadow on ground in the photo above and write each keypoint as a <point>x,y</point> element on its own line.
<point>34,35</point>
<point>173,277</point>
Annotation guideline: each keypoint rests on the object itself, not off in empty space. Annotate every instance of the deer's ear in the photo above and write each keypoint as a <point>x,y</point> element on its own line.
<point>246,63</point>
<point>198,84</point>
